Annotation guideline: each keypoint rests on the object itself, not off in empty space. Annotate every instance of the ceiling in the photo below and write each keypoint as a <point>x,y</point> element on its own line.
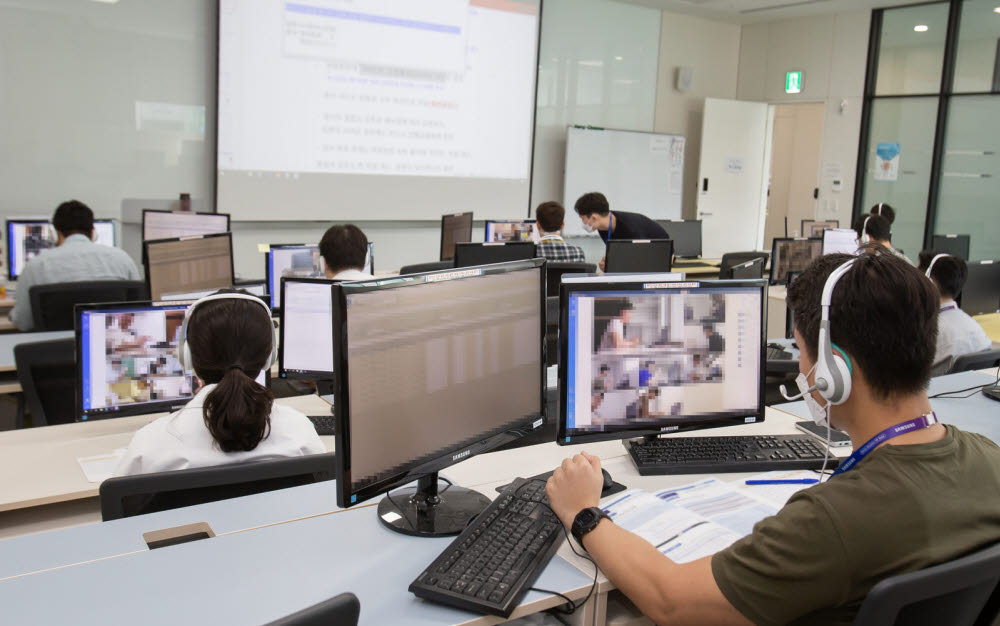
<point>751,11</point>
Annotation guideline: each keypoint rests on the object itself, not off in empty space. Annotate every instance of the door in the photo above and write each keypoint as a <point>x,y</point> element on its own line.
<point>795,155</point>
<point>732,174</point>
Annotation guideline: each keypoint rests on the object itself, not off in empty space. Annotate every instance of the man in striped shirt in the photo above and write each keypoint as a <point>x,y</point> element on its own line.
<point>550,217</point>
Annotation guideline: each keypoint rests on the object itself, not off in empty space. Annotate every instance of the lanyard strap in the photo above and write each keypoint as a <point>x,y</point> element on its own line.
<point>551,238</point>
<point>948,307</point>
<point>919,423</point>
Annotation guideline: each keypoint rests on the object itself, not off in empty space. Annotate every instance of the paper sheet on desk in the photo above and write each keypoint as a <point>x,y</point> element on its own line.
<point>99,468</point>
<point>776,495</point>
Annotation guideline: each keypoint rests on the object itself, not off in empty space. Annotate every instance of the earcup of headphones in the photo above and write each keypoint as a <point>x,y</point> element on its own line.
<point>838,373</point>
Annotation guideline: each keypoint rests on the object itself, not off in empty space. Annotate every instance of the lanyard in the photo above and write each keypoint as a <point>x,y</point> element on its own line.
<point>948,307</point>
<point>551,238</point>
<point>924,421</point>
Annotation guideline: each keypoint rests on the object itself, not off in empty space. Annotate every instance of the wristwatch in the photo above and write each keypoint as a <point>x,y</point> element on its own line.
<point>586,521</point>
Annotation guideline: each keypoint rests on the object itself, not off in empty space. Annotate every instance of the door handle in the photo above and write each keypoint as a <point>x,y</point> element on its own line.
<point>704,185</point>
<point>704,213</point>
<point>815,193</point>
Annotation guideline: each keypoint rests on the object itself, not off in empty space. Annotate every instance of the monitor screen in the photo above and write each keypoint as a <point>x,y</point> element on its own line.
<point>306,347</point>
<point>512,230</point>
<point>104,233</point>
<point>955,245</point>
<point>456,228</point>
<point>981,292</point>
<point>686,235</point>
<point>814,228</point>
<point>461,352</point>
<point>792,255</point>
<point>292,261</point>
<point>470,254</point>
<point>840,240</point>
<point>128,363</point>
<point>27,238</point>
<point>181,266</point>
<point>640,255</point>
<point>171,224</point>
<point>644,358</point>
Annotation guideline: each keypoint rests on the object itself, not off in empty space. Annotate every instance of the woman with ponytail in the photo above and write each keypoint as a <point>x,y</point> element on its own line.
<point>232,419</point>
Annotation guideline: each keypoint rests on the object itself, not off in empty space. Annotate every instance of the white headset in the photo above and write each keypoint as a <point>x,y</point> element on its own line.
<point>864,231</point>
<point>933,261</point>
<point>878,209</point>
<point>184,350</point>
<point>833,371</point>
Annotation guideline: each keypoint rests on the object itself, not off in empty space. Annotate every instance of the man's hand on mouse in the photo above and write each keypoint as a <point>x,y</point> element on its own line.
<point>574,486</point>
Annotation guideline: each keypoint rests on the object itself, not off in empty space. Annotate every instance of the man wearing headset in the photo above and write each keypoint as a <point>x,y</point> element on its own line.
<point>914,493</point>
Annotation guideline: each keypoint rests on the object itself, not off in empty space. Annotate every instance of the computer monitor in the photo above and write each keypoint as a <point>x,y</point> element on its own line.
<point>981,293</point>
<point>650,357</point>
<point>955,245</point>
<point>638,255</point>
<point>792,255</point>
<point>512,230</point>
<point>127,361</point>
<point>299,260</point>
<point>455,228</point>
<point>840,240</point>
<point>754,268</point>
<point>194,264</point>
<point>470,254</point>
<point>433,369</point>
<point>157,224</point>
<point>258,289</point>
<point>812,229</point>
<point>686,235</point>
<point>28,237</point>
<point>305,348</point>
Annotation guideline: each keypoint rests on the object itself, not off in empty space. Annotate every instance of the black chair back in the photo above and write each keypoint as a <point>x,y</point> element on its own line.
<point>433,266</point>
<point>126,496</point>
<point>554,271</point>
<point>953,593</point>
<point>976,361</point>
<point>52,305</point>
<point>731,259</point>
<point>47,372</point>
<point>342,610</point>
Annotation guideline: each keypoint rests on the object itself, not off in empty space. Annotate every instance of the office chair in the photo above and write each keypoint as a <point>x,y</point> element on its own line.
<point>976,361</point>
<point>731,259</point>
<point>957,593</point>
<point>554,271</point>
<point>433,266</point>
<point>52,305</point>
<point>47,372</point>
<point>126,496</point>
<point>342,610</point>
<point>551,330</point>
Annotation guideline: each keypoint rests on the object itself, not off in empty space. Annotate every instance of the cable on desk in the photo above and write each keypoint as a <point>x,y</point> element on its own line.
<point>974,390</point>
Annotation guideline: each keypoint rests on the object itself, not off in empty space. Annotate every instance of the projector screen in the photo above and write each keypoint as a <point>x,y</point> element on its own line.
<point>382,109</point>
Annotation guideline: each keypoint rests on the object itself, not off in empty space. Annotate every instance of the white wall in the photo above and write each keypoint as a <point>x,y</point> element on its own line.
<point>832,52</point>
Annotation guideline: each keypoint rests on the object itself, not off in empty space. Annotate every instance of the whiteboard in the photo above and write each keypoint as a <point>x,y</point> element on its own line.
<point>636,171</point>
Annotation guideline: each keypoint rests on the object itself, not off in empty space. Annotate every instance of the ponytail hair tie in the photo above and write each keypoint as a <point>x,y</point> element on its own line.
<point>235,367</point>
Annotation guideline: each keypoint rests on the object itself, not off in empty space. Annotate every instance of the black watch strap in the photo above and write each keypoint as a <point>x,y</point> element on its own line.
<point>586,521</point>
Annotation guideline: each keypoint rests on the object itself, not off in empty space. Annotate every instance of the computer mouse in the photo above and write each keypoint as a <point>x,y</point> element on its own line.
<point>608,481</point>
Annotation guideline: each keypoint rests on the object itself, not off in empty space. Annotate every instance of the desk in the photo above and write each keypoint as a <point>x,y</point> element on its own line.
<point>705,268</point>
<point>991,324</point>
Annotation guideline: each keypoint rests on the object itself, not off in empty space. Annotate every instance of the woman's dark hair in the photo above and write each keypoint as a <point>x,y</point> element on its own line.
<point>876,227</point>
<point>884,210</point>
<point>73,218</point>
<point>894,354</point>
<point>344,247</point>
<point>949,273</point>
<point>230,341</point>
<point>590,203</point>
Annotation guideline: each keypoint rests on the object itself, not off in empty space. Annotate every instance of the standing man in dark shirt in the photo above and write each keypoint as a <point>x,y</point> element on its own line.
<point>595,212</point>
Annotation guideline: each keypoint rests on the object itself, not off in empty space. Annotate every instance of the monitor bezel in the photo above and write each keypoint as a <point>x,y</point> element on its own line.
<point>311,375</point>
<point>267,271</point>
<point>487,223</point>
<point>145,256</point>
<point>666,223</point>
<point>781,280</point>
<point>145,211</point>
<point>346,495</point>
<point>564,438</point>
<point>468,245</point>
<point>966,239</point>
<point>445,218</point>
<point>623,243</point>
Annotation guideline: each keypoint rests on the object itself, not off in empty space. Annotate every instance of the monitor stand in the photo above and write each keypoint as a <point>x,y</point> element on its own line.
<point>324,389</point>
<point>426,512</point>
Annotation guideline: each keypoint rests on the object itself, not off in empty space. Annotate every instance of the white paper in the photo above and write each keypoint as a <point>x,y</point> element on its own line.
<point>99,468</point>
<point>660,145</point>
<point>735,164</point>
<point>777,495</point>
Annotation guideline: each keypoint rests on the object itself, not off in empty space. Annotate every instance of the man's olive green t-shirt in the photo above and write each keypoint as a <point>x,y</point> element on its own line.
<point>901,509</point>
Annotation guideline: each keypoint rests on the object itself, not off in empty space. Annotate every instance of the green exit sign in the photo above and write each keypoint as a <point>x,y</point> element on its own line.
<point>793,82</point>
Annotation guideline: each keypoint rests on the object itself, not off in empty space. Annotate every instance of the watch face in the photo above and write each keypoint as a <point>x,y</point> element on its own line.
<point>586,517</point>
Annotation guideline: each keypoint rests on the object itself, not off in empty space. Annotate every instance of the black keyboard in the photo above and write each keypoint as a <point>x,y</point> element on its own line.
<point>324,424</point>
<point>493,563</point>
<point>711,455</point>
<point>776,352</point>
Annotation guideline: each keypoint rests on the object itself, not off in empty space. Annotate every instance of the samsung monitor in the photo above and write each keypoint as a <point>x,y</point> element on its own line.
<point>470,254</point>
<point>981,292</point>
<point>812,229</point>
<point>455,228</point>
<point>157,224</point>
<point>955,245</point>
<point>193,264</point>
<point>754,268</point>
<point>792,255</point>
<point>638,255</point>
<point>305,349</point>
<point>686,235</point>
<point>28,237</point>
<point>127,360</point>
<point>840,240</point>
<point>431,370</point>
<point>643,358</point>
<point>512,230</point>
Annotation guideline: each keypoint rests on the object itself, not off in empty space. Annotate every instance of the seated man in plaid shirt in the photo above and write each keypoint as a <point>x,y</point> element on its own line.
<point>550,216</point>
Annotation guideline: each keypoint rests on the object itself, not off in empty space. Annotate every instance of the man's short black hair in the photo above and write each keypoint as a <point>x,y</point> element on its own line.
<point>885,210</point>
<point>949,273</point>
<point>883,314</point>
<point>344,247</point>
<point>878,228</point>
<point>593,202</point>
<point>550,216</point>
<point>73,218</point>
